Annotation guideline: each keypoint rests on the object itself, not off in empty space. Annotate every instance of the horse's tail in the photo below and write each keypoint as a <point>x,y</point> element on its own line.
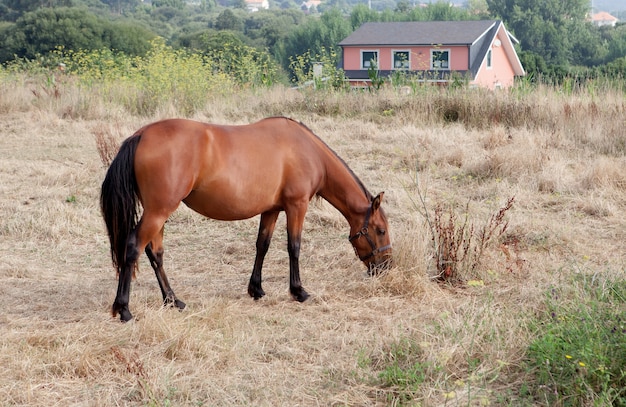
<point>119,200</point>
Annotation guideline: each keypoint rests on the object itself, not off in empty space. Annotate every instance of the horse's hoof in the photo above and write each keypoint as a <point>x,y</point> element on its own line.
<point>122,310</point>
<point>174,302</point>
<point>179,304</point>
<point>125,315</point>
<point>256,293</point>
<point>300,295</point>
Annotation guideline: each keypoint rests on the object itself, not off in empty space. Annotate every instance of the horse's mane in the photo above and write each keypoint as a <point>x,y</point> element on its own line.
<point>330,150</point>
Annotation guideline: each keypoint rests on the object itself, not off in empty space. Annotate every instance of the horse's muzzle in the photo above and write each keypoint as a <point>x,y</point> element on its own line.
<point>375,268</point>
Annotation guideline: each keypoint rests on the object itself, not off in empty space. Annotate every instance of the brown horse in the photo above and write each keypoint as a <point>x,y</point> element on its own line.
<point>231,173</point>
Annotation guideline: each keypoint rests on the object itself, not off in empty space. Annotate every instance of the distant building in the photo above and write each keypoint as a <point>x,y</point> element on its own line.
<point>437,52</point>
<point>603,18</point>
<point>307,5</point>
<point>256,5</point>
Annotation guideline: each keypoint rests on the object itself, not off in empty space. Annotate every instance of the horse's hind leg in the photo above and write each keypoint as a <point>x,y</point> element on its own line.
<point>266,229</point>
<point>148,228</point>
<point>120,305</point>
<point>154,251</point>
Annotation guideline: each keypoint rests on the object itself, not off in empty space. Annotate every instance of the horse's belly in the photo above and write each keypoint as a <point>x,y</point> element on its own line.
<point>229,204</point>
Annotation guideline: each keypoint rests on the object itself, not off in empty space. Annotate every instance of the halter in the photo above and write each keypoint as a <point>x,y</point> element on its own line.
<point>365,232</point>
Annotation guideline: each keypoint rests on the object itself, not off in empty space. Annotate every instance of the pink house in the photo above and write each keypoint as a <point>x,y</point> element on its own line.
<point>433,51</point>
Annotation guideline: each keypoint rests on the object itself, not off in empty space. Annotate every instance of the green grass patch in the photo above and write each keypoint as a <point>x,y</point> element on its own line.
<point>398,371</point>
<point>579,355</point>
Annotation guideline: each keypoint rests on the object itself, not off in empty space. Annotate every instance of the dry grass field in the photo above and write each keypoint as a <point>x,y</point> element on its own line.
<point>398,339</point>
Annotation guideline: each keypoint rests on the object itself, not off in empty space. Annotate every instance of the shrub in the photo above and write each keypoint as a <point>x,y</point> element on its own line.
<point>458,245</point>
<point>303,72</point>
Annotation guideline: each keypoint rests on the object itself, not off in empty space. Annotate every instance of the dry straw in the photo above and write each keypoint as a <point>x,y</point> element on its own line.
<point>60,346</point>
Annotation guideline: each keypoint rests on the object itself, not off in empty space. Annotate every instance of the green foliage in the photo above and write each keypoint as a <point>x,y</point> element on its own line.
<point>164,75</point>
<point>439,11</point>
<point>401,370</point>
<point>578,356</point>
<point>374,76</point>
<point>402,366</point>
<point>13,9</point>
<point>315,36</point>
<point>554,34</point>
<point>302,69</point>
<point>554,29</point>
<point>177,4</point>
<point>228,20</point>
<point>128,37</point>
<point>268,28</point>
<point>245,65</point>
<point>362,14</point>
<point>207,40</point>
<point>41,31</point>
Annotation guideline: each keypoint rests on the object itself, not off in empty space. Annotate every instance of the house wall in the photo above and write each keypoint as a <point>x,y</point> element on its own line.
<point>501,73</point>
<point>419,59</point>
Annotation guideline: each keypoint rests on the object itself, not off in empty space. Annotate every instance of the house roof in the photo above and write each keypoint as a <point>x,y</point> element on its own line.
<point>419,33</point>
<point>603,16</point>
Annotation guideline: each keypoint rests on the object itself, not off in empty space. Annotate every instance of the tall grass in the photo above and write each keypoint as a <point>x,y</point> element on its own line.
<point>185,82</point>
<point>164,79</point>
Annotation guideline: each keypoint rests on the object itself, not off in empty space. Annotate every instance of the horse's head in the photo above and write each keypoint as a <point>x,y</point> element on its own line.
<point>370,238</point>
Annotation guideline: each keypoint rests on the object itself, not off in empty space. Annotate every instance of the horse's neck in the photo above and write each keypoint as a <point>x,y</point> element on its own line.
<point>344,192</point>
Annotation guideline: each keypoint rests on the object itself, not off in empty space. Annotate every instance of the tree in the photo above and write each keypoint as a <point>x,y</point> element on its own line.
<point>227,20</point>
<point>17,8</point>
<point>128,36</point>
<point>478,8</point>
<point>177,4</point>
<point>616,39</point>
<point>316,36</point>
<point>362,14</point>
<point>543,26</point>
<point>402,6</point>
<point>439,11</point>
<point>38,32</point>
<point>444,11</point>
<point>207,40</point>
<point>268,27</point>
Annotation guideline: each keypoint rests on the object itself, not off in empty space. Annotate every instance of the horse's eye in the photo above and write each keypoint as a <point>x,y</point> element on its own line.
<point>382,232</point>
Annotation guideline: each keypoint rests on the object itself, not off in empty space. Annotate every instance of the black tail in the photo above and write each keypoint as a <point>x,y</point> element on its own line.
<point>119,199</point>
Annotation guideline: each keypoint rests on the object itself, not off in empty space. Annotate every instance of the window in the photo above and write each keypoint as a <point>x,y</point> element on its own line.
<point>400,60</point>
<point>440,59</point>
<point>489,59</point>
<point>369,59</point>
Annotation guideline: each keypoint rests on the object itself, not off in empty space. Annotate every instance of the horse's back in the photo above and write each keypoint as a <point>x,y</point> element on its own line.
<point>227,172</point>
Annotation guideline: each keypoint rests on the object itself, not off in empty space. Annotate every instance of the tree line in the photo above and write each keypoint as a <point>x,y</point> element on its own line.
<point>556,38</point>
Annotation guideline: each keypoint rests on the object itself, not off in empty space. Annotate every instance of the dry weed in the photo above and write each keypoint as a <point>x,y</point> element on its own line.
<point>107,142</point>
<point>605,172</point>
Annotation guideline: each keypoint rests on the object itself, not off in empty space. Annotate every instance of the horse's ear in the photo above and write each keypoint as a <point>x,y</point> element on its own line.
<point>376,201</point>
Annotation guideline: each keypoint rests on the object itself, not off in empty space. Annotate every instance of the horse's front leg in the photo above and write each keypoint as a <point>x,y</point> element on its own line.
<point>295,220</point>
<point>266,229</point>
